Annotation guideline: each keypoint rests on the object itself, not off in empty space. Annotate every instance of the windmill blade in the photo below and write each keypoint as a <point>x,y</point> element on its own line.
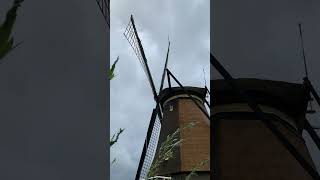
<point>104,6</point>
<point>313,134</point>
<point>134,40</point>
<point>150,146</point>
<point>150,143</point>
<point>164,69</point>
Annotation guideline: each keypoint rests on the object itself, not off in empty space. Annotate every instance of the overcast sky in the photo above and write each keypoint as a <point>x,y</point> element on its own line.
<point>187,25</point>
<point>261,39</point>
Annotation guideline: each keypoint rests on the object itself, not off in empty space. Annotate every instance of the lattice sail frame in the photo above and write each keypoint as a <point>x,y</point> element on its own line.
<point>153,132</point>
<point>134,40</point>
<point>151,150</point>
<point>104,6</point>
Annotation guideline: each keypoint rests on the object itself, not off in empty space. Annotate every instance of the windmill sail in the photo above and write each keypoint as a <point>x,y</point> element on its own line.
<point>155,126</point>
<point>134,40</point>
<point>150,143</point>
<point>104,6</point>
<point>150,146</point>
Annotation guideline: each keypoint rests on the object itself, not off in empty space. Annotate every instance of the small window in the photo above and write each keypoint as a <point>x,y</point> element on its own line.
<point>170,108</point>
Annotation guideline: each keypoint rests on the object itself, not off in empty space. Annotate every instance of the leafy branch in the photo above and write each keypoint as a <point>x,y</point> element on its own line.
<point>115,137</point>
<point>6,41</point>
<point>111,71</point>
<point>167,149</point>
<point>196,168</point>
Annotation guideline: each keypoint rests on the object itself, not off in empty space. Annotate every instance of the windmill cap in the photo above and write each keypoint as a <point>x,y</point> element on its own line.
<point>290,98</point>
<point>167,93</point>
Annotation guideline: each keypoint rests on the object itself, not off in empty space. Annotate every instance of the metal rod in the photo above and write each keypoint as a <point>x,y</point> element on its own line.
<point>254,106</point>
<point>142,157</point>
<point>207,103</point>
<point>165,67</point>
<point>308,126</point>
<point>169,81</point>
<point>310,87</point>
<point>207,90</point>
<point>303,52</point>
<point>312,133</point>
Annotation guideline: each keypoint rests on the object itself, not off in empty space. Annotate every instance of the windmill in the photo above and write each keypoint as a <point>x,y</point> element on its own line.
<point>160,118</point>
<point>273,111</point>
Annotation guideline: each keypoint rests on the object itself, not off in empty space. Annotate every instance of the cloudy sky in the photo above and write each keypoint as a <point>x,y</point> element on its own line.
<point>187,25</point>
<point>261,39</point>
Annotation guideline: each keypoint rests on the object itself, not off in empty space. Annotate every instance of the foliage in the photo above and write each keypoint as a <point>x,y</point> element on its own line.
<point>111,71</point>
<point>167,149</point>
<point>115,137</point>
<point>6,41</point>
<point>114,160</point>
<point>195,169</point>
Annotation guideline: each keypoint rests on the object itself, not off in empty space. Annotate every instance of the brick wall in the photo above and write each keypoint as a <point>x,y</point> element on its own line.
<point>195,147</point>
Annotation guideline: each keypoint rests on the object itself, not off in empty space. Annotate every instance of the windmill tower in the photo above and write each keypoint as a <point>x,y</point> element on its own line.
<point>175,107</point>
<point>179,110</point>
<point>257,128</point>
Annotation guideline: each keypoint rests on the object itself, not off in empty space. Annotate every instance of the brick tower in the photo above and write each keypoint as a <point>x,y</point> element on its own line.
<point>246,149</point>
<point>179,110</point>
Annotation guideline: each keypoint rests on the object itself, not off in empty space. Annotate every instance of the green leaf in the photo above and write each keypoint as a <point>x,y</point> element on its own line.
<point>196,168</point>
<point>6,43</point>
<point>167,149</point>
<point>111,71</point>
<point>6,48</point>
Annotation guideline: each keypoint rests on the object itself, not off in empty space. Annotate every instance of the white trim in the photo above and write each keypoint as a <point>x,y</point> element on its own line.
<point>160,178</point>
